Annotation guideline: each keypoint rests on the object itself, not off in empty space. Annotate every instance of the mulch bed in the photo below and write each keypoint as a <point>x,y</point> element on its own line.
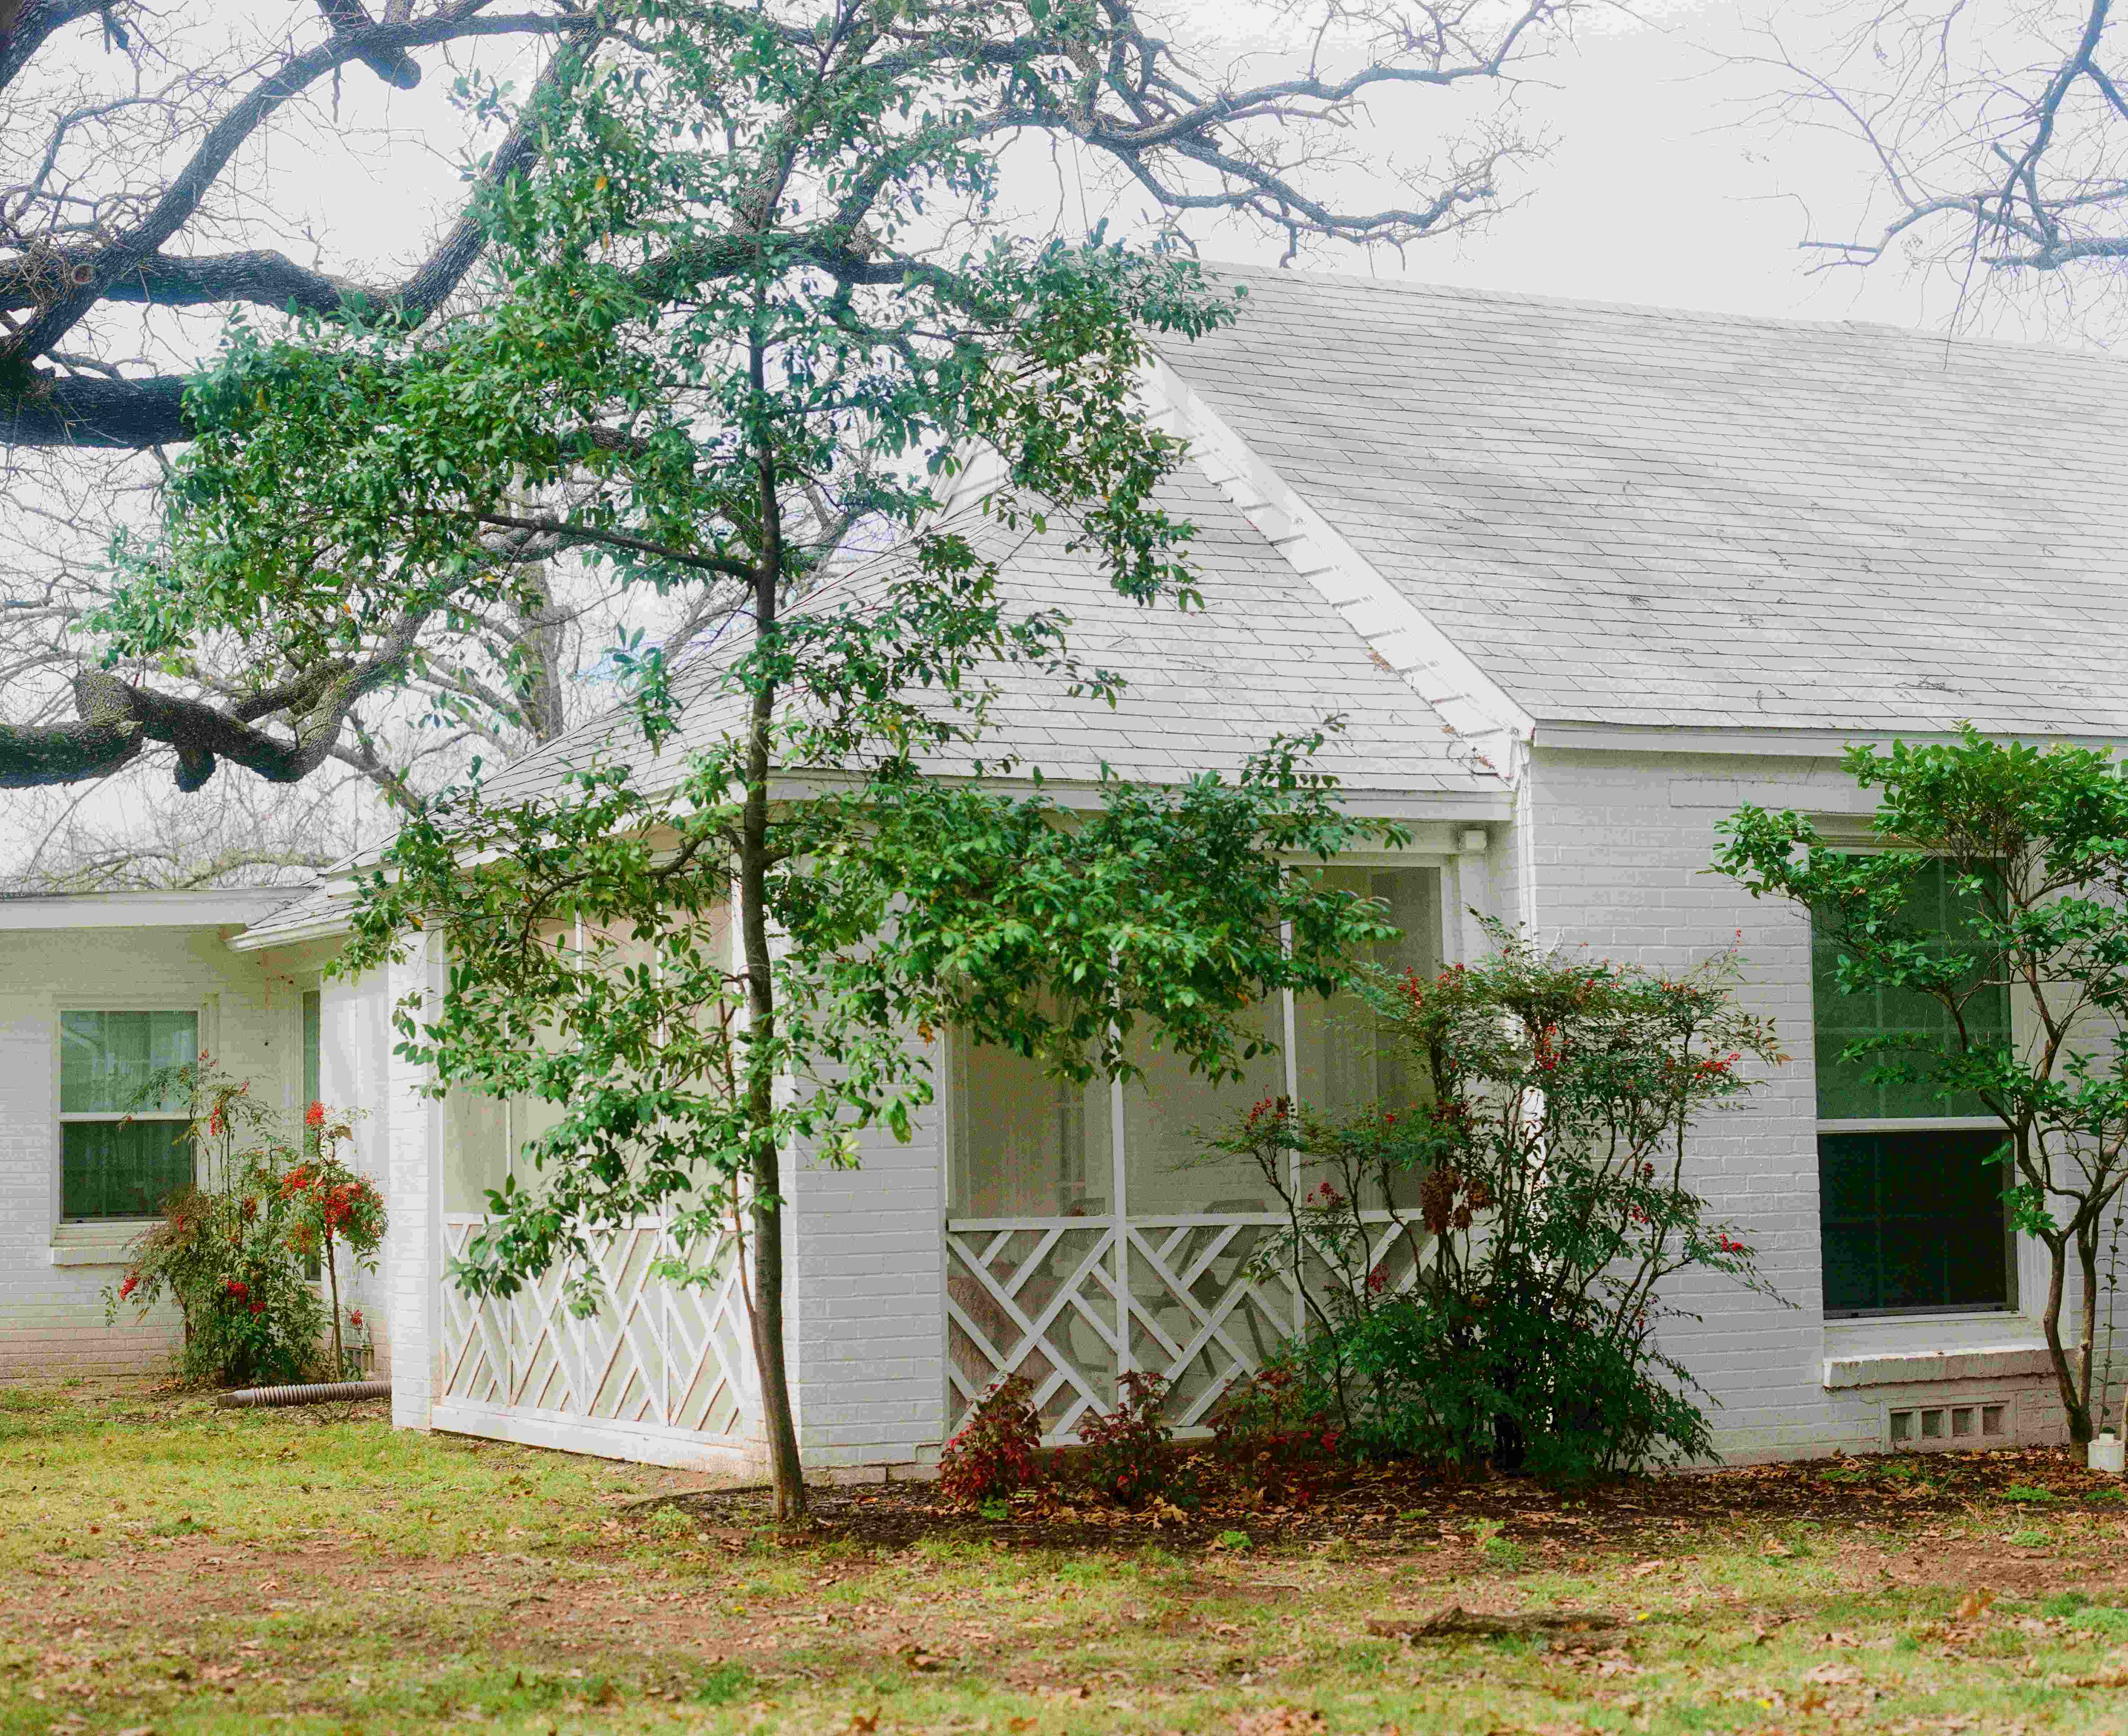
<point>1388,1505</point>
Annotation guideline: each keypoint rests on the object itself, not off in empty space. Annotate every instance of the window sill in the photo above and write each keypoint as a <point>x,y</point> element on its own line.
<point>104,1244</point>
<point>1883,1353</point>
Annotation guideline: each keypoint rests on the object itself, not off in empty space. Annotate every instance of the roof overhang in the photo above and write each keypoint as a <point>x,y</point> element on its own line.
<point>1773,743</point>
<point>145,909</point>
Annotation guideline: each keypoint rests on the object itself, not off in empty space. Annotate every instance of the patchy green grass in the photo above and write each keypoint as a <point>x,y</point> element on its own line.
<point>167,1567</point>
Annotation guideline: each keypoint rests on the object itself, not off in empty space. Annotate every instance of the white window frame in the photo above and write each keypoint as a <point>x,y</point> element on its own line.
<point>82,1229</point>
<point>2016,1279</point>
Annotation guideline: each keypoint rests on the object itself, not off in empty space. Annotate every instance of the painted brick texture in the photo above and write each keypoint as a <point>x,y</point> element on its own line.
<point>52,1317</point>
<point>1613,852</point>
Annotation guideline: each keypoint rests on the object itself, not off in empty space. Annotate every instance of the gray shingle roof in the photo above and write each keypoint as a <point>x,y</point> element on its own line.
<point>1206,688</point>
<point>1634,516</point>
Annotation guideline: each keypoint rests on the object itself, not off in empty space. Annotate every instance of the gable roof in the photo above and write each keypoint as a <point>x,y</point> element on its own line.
<point>1630,516</point>
<point>1206,688</point>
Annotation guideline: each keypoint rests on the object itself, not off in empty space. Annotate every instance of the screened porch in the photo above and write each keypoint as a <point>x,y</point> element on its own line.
<point>1089,1233</point>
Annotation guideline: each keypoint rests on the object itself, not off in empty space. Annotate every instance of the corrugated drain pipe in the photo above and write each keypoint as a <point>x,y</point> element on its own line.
<point>327,1392</point>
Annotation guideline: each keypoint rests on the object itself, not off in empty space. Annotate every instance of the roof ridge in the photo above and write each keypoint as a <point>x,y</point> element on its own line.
<point>1410,287</point>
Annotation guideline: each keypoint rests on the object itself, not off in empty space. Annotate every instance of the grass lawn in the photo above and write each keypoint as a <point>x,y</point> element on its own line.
<point>165,1567</point>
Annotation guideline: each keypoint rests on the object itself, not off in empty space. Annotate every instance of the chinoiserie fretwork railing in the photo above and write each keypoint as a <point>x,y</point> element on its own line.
<point>656,1352</point>
<point>1072,1303</point>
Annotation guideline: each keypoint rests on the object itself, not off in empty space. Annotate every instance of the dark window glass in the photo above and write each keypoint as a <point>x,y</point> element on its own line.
<point>1913,1221</point>
<point>121,1169</point>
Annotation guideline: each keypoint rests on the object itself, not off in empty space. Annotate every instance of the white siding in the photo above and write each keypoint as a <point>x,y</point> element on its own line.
<point>867,1328</point>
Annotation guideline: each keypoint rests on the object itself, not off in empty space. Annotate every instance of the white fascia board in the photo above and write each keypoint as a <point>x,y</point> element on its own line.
<point>147,909</point>
<point>1477,708</point>
<point>1814,744</point>
<point>1084,794</point>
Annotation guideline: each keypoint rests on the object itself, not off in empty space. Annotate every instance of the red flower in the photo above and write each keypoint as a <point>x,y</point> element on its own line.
<point>132,1282</point>
<point>237,1288</point>
<point>354,1317</point>
<point>315,1116</point>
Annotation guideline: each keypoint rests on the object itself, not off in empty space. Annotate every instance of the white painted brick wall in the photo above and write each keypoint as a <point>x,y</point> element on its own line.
<point>867,1326</point>
<point>52,1317</point>
<point>1613,852</point>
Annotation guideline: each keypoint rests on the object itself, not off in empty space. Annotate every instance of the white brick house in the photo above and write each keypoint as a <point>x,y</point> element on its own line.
<point>1580,579</point>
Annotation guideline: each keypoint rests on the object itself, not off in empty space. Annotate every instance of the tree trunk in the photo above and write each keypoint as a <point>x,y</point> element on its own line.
<point>2088,1259</point>
<point>786,1473</point>
<point>2079,1417</point>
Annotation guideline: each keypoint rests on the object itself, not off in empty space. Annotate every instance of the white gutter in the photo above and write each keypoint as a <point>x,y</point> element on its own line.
<point>147,909</point>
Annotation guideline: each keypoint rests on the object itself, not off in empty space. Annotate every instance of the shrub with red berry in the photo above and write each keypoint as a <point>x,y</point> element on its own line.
<point>222,1250</point>
<point>1485,1267</point>
<point>332,1210</point>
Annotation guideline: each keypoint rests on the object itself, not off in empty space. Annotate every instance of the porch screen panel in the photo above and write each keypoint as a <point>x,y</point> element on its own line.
<point>1170,1113</point>
<point>1343,1061</point>
<point>484,1140</point>
<point>1026,1143</point>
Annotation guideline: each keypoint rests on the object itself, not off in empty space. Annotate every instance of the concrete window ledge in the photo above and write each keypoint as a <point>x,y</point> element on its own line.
<point>95,1244</point>
<point>1972,1347</point>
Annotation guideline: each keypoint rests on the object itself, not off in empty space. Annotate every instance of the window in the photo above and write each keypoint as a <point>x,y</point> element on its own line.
<point>120,1156</point>
<point>1911,1218</point>
<point>313,1047</point>
<point>1027,1144</point>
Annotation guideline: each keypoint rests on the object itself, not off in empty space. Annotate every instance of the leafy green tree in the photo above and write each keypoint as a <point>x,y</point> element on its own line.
<point>2035,843</point>
<point>592,966</point>
<point>727,330</point>
<point>677,161</point>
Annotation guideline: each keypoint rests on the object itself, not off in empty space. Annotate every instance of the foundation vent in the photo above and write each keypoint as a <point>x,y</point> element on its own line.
<point>1924,1428</point>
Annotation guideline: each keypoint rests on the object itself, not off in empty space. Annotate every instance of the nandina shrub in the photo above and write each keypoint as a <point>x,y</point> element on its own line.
<point>332,1208</point>
<point>1129,1455</point>
<point>992,1456</point>
<point>1277,1432</point>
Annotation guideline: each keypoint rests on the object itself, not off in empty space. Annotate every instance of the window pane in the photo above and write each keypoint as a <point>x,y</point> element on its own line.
<point>1026,1143</point>
<point>1340,1064</point>
<point>106,1058</point>
<point>121,1169</point>
<point>1912,1221</point>
<point>1844,1091</point>
<point>313,1045</point>
<point>1167,1114</point>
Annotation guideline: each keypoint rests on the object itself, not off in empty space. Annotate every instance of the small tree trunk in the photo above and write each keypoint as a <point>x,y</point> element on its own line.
<point>332,1284</point>
<point>785,1474</point>
<point>2079,1417</point>
<point>2088,1259</point>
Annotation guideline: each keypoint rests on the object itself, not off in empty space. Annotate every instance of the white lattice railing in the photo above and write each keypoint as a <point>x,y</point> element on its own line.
<point>1049,1298</point>
<point>655,1352</point>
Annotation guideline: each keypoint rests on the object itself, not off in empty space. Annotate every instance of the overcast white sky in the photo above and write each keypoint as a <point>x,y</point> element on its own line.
<point>1668,184</point>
